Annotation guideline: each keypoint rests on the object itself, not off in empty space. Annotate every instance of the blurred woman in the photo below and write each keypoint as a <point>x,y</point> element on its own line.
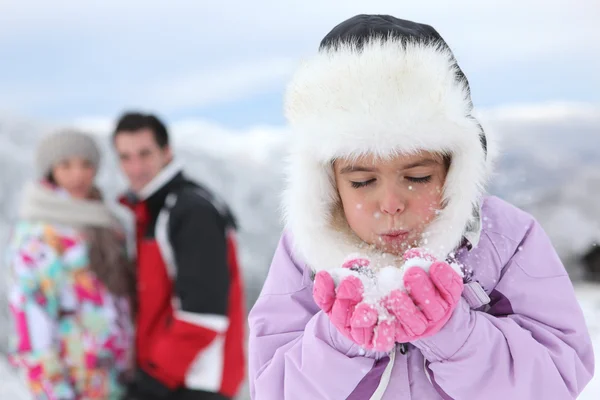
<point>71,280</point>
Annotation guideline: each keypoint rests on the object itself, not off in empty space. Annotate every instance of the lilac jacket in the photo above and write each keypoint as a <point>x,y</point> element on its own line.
<point>530,342</point>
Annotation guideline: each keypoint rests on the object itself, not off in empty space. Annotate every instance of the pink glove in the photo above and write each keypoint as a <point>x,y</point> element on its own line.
<point>419,312</point>
<point>356,320</point>
<point>405,317</point>
<point>430,300</point>
<point>338,304</point>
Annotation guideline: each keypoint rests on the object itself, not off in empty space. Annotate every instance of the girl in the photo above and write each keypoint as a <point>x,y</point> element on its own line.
<point>387,157</point>
<point>71,279</point>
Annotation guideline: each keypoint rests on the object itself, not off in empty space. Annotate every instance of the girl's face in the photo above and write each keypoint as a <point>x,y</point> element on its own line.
<point>389,203</point>
<point>75,175</point>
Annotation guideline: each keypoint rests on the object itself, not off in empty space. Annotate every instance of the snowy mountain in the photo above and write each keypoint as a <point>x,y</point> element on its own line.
<point>550,166</point>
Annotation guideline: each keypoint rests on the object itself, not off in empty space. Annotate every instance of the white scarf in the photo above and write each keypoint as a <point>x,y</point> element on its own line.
<point>44,204</point>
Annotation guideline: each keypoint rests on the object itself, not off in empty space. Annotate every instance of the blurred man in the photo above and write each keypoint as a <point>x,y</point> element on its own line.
<point>190,316</point>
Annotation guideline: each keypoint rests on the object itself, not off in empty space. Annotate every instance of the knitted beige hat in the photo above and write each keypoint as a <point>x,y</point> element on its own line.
<point>63,144</point>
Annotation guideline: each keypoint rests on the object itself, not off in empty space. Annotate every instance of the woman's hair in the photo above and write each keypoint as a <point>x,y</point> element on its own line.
<point>50,178</point>
<point>108,258</point>
<point>107,254</point>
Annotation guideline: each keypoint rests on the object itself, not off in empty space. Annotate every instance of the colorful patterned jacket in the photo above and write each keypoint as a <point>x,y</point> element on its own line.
<point>70,335</point>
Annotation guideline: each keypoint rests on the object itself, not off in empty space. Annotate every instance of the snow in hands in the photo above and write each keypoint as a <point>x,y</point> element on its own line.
<point>377,306</point>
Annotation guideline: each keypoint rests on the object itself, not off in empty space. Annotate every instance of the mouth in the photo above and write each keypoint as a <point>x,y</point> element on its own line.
<point>79,189</point>
<point>395,236</point>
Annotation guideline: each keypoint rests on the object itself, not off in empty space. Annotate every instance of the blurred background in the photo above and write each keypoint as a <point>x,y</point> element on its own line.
<point>216,72</point>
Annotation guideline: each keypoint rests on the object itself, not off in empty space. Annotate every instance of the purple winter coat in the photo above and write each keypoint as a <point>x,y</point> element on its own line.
<point>530,342</point>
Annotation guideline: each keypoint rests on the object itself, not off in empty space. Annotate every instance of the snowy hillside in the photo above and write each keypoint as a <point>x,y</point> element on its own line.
<point>12,388</point>
<point>543,147</point>
<point>550,166</point>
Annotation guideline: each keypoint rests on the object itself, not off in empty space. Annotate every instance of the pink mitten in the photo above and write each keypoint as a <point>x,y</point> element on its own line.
<point>429,303</point>
<point>370,330</point>
<point>338,304</point>
<point>398,317</point>
<point>355,319</point>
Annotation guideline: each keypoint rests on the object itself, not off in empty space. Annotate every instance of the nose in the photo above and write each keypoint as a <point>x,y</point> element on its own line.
<point>136,168</point>
<point>79,175</point>
<point>392,201</point>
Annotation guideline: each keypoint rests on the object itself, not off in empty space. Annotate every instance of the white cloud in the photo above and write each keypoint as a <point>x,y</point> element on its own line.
<point>551,111</point>
<point>229,83</point>
<point>194,53</point>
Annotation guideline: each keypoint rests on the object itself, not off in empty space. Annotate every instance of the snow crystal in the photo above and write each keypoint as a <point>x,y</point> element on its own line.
<point>390,278</point>
<point>340,273</point>
<point>417,262</point>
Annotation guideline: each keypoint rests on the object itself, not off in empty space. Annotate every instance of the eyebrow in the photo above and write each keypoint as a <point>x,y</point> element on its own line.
<point>356,168</point>
<point>420,163</point>
<point>359,168</point>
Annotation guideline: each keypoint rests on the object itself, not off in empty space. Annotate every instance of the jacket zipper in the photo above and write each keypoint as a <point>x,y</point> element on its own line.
<point>403,348</point>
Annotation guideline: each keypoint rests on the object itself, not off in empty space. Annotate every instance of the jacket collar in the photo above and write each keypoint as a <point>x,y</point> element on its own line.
<point>156,191</point>
<point>162,179</point>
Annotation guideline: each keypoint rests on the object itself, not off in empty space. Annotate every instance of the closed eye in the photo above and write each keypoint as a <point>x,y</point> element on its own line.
<point>357,185</point>
<point>423,179</point>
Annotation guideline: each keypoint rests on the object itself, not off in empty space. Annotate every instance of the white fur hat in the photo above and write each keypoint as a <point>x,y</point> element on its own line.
<point>383,86</point>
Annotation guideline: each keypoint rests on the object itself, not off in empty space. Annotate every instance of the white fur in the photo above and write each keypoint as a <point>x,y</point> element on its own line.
<point>384,100</point>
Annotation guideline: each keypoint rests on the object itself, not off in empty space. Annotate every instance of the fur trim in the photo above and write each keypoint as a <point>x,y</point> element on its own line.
<point>385,98</point>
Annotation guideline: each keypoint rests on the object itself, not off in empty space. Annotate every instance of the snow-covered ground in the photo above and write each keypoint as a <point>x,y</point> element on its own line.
<point>589,298</point>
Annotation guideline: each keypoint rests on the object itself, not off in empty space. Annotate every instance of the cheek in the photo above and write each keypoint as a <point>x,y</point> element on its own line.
<point>355,213</point>
<point>358,211</point>
<point>152,166</point>
<point>60,176</point>
<point>427,202</point>
<point>90,175</point>
<point>130,167</point>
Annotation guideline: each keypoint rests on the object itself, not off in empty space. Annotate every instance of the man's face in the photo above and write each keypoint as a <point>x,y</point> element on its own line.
<point>141,157</point>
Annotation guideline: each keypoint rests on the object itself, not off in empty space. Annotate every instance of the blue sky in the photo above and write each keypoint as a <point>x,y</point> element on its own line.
<point>228,62</point>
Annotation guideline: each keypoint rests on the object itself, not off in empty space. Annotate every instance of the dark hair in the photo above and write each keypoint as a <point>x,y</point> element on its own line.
<point>132,122</point>
<point>447,161</point>
<point>50,178</point>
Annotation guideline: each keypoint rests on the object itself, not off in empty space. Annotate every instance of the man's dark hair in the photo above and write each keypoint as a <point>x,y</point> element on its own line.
<point>135,121</point>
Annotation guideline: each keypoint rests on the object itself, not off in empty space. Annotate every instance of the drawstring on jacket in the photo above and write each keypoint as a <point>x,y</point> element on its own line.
<point>387,373</point>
